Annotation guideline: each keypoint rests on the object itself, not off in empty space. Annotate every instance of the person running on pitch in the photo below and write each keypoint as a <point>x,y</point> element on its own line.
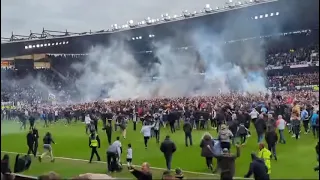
<point>94,143</point>
<point>47,141</point>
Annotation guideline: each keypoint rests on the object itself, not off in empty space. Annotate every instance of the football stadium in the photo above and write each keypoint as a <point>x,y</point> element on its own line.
<point>226,92</point>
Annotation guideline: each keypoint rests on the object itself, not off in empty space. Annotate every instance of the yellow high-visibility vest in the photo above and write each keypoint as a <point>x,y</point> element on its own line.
<point>94,141</point>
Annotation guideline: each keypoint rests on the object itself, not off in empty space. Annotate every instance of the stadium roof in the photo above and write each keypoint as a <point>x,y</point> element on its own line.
<point>289,15</point>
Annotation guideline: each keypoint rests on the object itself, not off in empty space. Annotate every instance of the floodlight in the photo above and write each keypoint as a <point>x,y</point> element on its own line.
<point>130,22</point>
<point>186,13</point>
<point>30,46</point>
<point>266,15</point>
<point>57,43</point>
<point>194,13</point>
<point>41,45</point>
<point>114,27</point>
<point>175,16</point>
<point>37,45</point>
<point>230,1</point>
<point>261,16</point>
<point>207,8</point>
<point>148,20</point>
<point>277,13</point>
<point>60,43</point>
<point>140,37</point>
<point>63,42</point>
<point>45,45</point>
<point>256,17</point>
<point>137,37</point>
<point>67,42</point>
<point>33,46</point>
<point>153,20</point>
<point>271,14</point>
<point>26,47</point>
<point>49,44</point>
<point>143,22</point>
<point>133,38</point>
<point>167,17</point>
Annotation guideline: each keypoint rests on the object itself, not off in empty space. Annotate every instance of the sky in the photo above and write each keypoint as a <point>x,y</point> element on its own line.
<point>21,16</point>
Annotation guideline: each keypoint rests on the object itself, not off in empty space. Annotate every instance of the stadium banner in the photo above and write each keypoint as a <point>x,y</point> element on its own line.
<point>9,103</point>
<point>299,65</point>
<point>308,87</point>
<point>270,67</point>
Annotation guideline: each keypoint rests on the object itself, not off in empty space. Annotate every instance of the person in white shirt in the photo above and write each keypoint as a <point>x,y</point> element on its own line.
<point>146,131</point>
<point>254,115</point>
<point>281,125</point>
<point>129,155</point>
<point>118,144</point>
<point>87,121</point>
<point>26,113</point>
<point>56,115</point>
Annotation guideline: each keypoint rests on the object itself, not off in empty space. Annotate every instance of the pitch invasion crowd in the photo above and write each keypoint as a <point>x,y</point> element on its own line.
<point>267,112</point>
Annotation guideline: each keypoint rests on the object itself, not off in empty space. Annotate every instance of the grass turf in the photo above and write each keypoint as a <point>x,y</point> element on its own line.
<point>296,159</point>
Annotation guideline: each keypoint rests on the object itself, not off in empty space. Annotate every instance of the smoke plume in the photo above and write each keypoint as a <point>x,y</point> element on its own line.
<point>114,72</point>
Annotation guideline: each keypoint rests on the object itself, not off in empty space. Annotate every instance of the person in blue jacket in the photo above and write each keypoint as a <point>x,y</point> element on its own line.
<point>315,124</point>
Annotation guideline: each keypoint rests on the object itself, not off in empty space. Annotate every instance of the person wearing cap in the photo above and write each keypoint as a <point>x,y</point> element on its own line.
<point>258,168</point>
<point>265,154</point>
<point>168,147</point>
<point>94,143</point>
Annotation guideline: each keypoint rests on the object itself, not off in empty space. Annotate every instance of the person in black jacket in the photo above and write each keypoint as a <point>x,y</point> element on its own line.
<point>260,126</point>
<point>35,134</point>
<point>258,169</point>
<point>108,129</point>
<point>31,122</point>
<point>168,148</point>
<point>272,139</point>
<point>187,128</point>
<point>47,141</point>
<point>30,142</point>
<point>226,162</point>
<point>143,174</point>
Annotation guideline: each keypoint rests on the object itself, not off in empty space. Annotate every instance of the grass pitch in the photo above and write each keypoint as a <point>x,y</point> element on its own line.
<point>296,159</point>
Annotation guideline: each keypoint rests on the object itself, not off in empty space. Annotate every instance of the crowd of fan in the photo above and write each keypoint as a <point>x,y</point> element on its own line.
<point>293,80</point>
<point>294,56</point>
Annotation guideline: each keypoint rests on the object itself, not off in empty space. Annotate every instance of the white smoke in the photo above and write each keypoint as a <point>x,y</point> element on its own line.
<point>114,72</point>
